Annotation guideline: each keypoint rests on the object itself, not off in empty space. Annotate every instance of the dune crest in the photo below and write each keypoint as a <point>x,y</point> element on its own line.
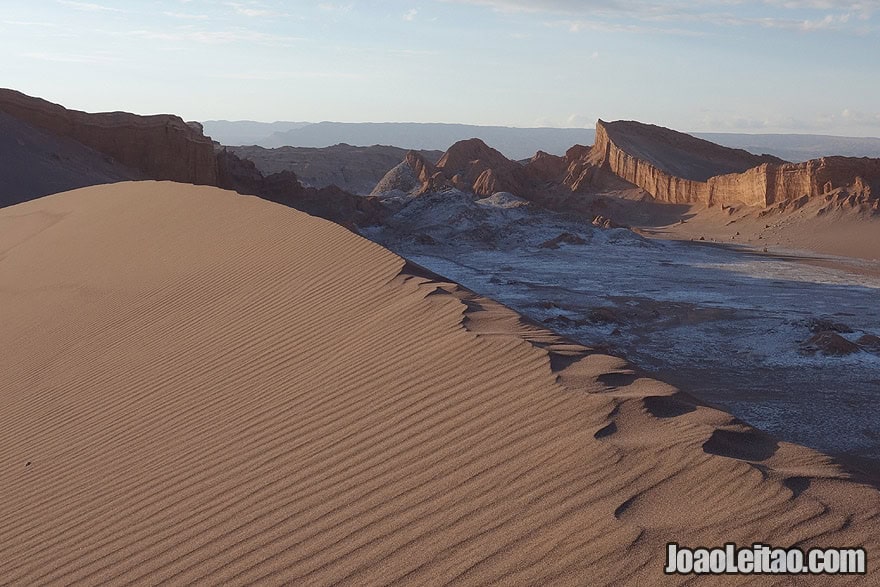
<point>205,387</point>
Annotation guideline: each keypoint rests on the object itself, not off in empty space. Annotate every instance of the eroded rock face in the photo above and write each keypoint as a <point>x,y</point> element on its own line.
<point>410,177</point>
<point>160,146</point>
<point>677,168</point>
<point>474,166</point>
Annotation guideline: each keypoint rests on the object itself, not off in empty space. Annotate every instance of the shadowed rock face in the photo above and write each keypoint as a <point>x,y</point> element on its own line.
<point>677,168</point>
<point>354,169</point>
<point>36,163</point>
<point>329,202</point>
<point>161,146</point>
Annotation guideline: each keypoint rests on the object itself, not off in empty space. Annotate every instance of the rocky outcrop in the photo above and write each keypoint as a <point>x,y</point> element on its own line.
<point>474,166</point>
<point>408,178</point>
<point>546,167</point>
<point>160,146</point>
<point>354,169</point>
<point>469,166</point>
<point>331,202</point>
<point>677,168</point>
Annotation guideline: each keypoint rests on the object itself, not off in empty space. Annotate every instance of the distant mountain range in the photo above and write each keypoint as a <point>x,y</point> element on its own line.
<point>795,147</point>
<point>515,143</point>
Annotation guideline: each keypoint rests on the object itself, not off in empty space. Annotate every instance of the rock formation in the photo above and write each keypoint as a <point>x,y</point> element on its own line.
<point>410,177</point>
<point>331,202</point>
<point>677,168</point>
<point>354,169</point>
<point>50,148</point>
<point>472,166</point>
<point>36,163</point>
<point>160,146</point>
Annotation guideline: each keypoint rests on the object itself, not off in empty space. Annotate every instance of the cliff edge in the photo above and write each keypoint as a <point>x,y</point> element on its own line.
<point>677,168</point>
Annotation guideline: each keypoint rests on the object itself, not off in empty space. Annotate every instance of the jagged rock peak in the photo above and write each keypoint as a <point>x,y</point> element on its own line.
<point>408,178</point>
<point>421,167</point>
<point>546,167</point>
<point>463,153</point>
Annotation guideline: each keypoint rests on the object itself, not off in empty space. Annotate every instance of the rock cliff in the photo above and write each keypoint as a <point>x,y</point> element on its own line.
<point>676,168</point>
<point>36,163</point>
<point>160,146</point>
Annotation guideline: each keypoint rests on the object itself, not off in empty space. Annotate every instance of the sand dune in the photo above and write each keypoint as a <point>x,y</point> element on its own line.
<point>204,387</point>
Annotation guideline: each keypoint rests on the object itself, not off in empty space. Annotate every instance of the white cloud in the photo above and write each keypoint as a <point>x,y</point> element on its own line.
<point>88,6</point>
<point>278,75</point>
<point>70,57</point>
<point>410,14</point>
<point>186,16</point>
<point>251,9</point>
<point>856,117</point>
<point>336,7</point>
<point>629,15</point>
<point>185,34</point>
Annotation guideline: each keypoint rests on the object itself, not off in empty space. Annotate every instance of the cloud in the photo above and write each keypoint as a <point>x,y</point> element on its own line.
<point>278,75</point>
<point>580,121</point>
<point>186,16</point>
<point>336,7</point>
<point>31,23</point>
<point>685,17</point>
<point>88,6</point>
<point>410,14</point>
<point>858,118</point>
<point>70,57</point>
<point>812,123</point>
<point>250,10</point>
<point>185,34</point>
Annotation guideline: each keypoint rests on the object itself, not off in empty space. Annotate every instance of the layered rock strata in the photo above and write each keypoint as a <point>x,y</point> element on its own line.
<point>688,170</point>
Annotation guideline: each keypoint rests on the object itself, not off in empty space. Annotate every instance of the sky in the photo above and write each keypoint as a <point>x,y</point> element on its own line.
<point>804,66</point>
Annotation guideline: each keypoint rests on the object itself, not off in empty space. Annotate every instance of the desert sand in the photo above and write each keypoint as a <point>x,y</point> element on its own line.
<point>205,387</point>
<point>839,233</point>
